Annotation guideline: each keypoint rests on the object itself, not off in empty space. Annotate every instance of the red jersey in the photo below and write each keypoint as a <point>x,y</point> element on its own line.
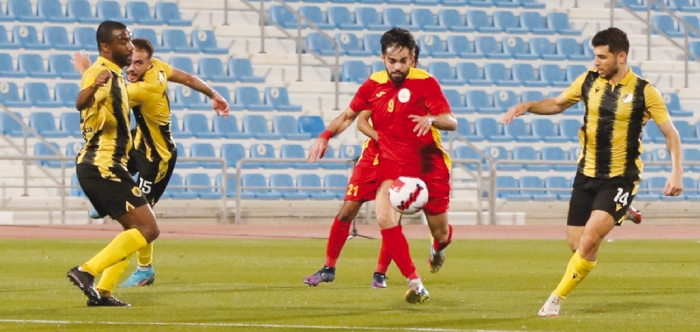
<point>420,94</point>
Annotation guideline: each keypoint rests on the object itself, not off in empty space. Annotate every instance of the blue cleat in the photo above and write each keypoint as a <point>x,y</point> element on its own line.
<point>93,214</point>
<point>140,278</point>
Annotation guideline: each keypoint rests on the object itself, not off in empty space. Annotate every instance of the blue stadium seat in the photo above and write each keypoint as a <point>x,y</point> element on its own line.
<point>9,95</point>
<point>283,184</point>
<point>532,4</point>
<point>41,149</point>
<point>200,185</point>
<point>348,44</point>
<point>318,43</point>
<point>506,3</point>
<point>504,99</point>
<point>555,153</point>
<point>525,74</point>
<point>423,19</point>
<point>177,131</point>
<point>537,194</point>
<point>685,130</point>
<point>690,189</point>
<point>70,123</point>
<point>574,71</point>
<point>569,128</point>
<point>691,20</point>
<point>443,73</point>
<point>499,153</point>
<point>33,66</point>
<point>176,188</point>
<point>176,40</point>
<point>256,125</point>
<point>507,188</point>
<point>182,63</point>
<point>266,151</point>
<point>666,24</point>
<point>248,97</point>
<point>466,152</point>
<point>350,151</point>
<point>59,65</point>
<point>198,126</point>
<point>222,91</point>
<point>4,42</point>
<point>72,150</point>
<point>311,124</point>
<point>531,96</point>
<point>481,3</point>
<point>455,100</point>
<point>575,152</point>
<point>169,13</point>
<point>242,70</point>
<point>479,101</point>
<point>662,155</point>
<point>506,21</point>
<point>286,125</point>
<point>354,71</point>
<point>52,11</point>
<point>372,43</point>
<point>684,6</point>
<point>204,150</point>
<point>288,151</point>
<point>66,93</point>
<point>554,75</point>
<point>673,105</point>
<point>26,37</point>
<point>57,38</point>
<point>311,185</point>
<point>331,155</point>
<point>377,65</point>
<point>518,130</point>
<point>212,69</point>
<point>85,38</point>
<point>140,12</point>
<point>150,35</point>
<point>22,11</point>
<point>453,21</point>
<point>7,68</point>
<point>283,17</point>
<point>488,46</point>
<point>497,73</point>
<point>545,130</point>
<point>11,127</point>
<point>232,153</point>
<point>315,16</point>
<point>185,97</point>
<point>559,186</point>
<point>464,129</point>
<point>108,10</point>
<point>259,188</point>
<point>368,18</point>
<point>652,133</point>
<point>534,22</point>
<point>526,154</point>
<point>341,18</point>
<point>691,155</point>
<point>543,48</point>
<point>570,48</point>
<point>205,41</point>
<point>278,98</point>
<point>45,125</point>
<point>480,21</point>
<point>38,94</point>
<point>335,184</point>
<point>81,11</point>
<point>560,23</point>
<point>431,45</point>
<point>490,129</point>
<point>469,73</point>
<point>515,48</point>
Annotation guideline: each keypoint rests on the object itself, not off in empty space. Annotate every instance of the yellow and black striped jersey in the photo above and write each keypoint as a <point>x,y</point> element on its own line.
<point>149,101</point>
<point>105,124</point>
<point>611,135</point>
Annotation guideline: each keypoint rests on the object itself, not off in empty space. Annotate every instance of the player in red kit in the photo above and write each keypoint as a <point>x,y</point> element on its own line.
<point>408,108</point>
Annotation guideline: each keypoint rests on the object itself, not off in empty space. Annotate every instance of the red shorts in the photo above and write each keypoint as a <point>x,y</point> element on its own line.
<point>437,181</point>
<point>363,184</point>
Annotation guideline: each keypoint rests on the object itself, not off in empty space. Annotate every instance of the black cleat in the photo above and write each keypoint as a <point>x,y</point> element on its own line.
<point>86,282</point>
<point>109,301</point>
<point>326,274</point>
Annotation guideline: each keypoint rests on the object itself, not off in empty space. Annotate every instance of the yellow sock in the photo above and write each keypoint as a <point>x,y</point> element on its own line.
<point>144,256</point>
<point>577,269</point>
<point>110,276</point>
<point>125,244</point>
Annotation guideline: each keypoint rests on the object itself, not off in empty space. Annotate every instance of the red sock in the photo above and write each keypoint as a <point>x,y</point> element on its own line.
<point>336,240</point>
<point>440,246</point>
<point>384,260</point>
<point>396,244</point>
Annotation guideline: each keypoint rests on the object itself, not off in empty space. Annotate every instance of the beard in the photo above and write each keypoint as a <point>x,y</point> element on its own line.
<point>123,60</point>
<point>397,80</point>
<point>612,73</point>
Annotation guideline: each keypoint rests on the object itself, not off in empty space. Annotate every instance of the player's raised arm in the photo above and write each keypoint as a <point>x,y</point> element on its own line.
<point>365,127</point>
<point>337,126</point>
<point>219,104</point>
<point>94,90</point>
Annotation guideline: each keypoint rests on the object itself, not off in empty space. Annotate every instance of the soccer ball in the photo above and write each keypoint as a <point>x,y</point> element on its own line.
<point>408,195</point>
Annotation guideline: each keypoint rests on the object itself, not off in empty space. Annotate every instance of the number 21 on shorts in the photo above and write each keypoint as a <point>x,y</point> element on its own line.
<point>352,190</point>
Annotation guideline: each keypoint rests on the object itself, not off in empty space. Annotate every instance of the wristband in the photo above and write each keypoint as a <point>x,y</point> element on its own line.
<point>326,134</point>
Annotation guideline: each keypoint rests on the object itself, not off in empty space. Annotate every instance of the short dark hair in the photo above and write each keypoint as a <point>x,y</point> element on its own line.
<point>105,31</point>
<point>143,44</point>
<point>416,52</point>
<point>398,37</point>
<point>614,38</point>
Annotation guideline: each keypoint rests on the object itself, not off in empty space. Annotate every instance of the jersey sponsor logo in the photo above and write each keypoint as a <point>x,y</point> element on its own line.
<point>136,191</point>
<point>404,95</point>
<point>380,93</point>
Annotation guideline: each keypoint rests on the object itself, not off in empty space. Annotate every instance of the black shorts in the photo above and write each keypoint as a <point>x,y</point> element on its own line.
<point>153,175</point>
<point>613,195</point>
<point>111,191</point>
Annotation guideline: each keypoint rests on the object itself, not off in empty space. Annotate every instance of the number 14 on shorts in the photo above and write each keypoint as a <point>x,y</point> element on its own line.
<point>621,199</point>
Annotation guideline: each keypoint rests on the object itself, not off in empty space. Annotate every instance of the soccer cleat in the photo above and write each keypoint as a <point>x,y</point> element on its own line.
<point>93,214</point>
<point>551,306</point>
<point>379,280</point>
<point>416,292</point>
<point>325,274</point>
<point>109,301</point>
<point>140,278</point>
<point>632,214</point>
<point>437,258</point>
<point>85,281</point>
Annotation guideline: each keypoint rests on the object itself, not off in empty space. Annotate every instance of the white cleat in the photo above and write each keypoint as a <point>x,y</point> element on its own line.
<point>551,306</point>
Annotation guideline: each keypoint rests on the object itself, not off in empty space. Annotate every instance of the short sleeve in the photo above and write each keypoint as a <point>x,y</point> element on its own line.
<point>167,69</point>
<point>136,93</point>
<point>655,105</point>
<point>435,100</point>
<point>573,93</point>
<point>360,101</point>
<point>89,78</point>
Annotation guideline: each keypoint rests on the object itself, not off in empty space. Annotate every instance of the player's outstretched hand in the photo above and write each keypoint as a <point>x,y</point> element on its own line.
<point>220,105</point>
<point>514,112</point>
<point>318,150</point>
<point>81,62</point>
<point>674,185</point>
<point>423,124</point>
<point>102,78</point>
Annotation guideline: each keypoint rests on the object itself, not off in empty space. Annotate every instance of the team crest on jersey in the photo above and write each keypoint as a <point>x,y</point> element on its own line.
<point>627,97</point>
<point>136,191</point>
<point>404,95</point>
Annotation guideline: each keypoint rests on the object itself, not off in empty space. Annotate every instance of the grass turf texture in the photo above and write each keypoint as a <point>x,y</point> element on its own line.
<point>256,285</point>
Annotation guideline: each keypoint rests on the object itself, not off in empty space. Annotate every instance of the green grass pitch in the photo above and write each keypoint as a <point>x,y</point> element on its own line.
<point>256,285</point>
